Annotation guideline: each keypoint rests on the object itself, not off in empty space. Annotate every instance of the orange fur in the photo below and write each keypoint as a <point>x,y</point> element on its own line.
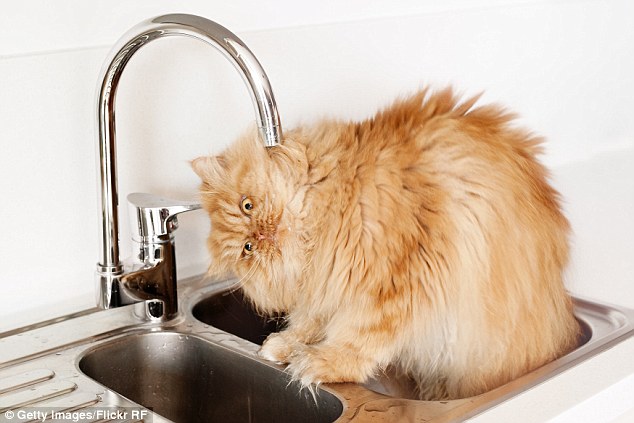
<point>426,238</point>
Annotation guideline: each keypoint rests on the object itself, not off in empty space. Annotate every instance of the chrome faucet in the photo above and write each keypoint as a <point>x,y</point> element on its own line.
<point>151,276</point>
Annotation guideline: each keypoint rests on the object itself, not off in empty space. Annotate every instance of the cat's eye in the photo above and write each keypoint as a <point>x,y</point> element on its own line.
<point>246,205</point>
<point>248,248</point>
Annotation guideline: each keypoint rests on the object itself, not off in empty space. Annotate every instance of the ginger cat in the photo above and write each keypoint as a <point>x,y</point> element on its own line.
<point>426,238</point>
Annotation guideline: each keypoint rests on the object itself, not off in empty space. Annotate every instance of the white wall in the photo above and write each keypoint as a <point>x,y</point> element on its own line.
<point>565,66</point>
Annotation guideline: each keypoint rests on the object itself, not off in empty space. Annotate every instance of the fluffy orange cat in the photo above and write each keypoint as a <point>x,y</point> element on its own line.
<point>426,239</point>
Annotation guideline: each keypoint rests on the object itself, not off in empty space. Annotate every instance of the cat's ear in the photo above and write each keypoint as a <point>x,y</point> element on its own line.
<point>209,167</point>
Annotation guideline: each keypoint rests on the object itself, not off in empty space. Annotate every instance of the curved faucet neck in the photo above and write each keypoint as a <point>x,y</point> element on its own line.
<point>162,26</point>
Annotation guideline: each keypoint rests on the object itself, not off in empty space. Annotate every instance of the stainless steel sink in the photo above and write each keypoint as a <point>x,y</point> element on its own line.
<point>188,379</point>
<point>202,366</point>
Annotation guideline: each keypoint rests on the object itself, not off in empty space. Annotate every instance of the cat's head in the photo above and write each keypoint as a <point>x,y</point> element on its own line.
<point>253,195</point>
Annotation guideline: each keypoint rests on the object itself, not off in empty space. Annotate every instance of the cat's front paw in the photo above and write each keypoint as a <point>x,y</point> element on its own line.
<point>327,365</point>
<point>276,348</point>
<point>308,368</point>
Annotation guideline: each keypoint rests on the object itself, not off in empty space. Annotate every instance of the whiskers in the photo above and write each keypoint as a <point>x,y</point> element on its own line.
<point>247,276</point>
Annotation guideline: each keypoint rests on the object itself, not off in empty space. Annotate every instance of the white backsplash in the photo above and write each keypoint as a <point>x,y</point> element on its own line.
<point>566,67</point>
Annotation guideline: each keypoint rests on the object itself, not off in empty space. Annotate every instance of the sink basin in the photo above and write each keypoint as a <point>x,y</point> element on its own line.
<point>601,325</point>
<point>231,311</point>
<point>189,379</point>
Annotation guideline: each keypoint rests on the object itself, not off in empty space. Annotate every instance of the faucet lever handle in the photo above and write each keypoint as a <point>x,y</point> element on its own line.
<point>154,216</point>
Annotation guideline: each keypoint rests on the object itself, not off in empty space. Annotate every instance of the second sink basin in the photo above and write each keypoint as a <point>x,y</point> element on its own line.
<point>231,312</point>
<point>189,379</point>
<point>601,326</point>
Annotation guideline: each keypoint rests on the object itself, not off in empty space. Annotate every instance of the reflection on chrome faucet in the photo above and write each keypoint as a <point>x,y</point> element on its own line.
<point>152,275</point>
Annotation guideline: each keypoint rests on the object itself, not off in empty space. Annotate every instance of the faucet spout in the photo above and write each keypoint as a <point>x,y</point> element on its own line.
<point>110,267</point>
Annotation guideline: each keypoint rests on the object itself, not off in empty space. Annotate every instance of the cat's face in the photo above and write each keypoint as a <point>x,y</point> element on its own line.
<point>253,200</point>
